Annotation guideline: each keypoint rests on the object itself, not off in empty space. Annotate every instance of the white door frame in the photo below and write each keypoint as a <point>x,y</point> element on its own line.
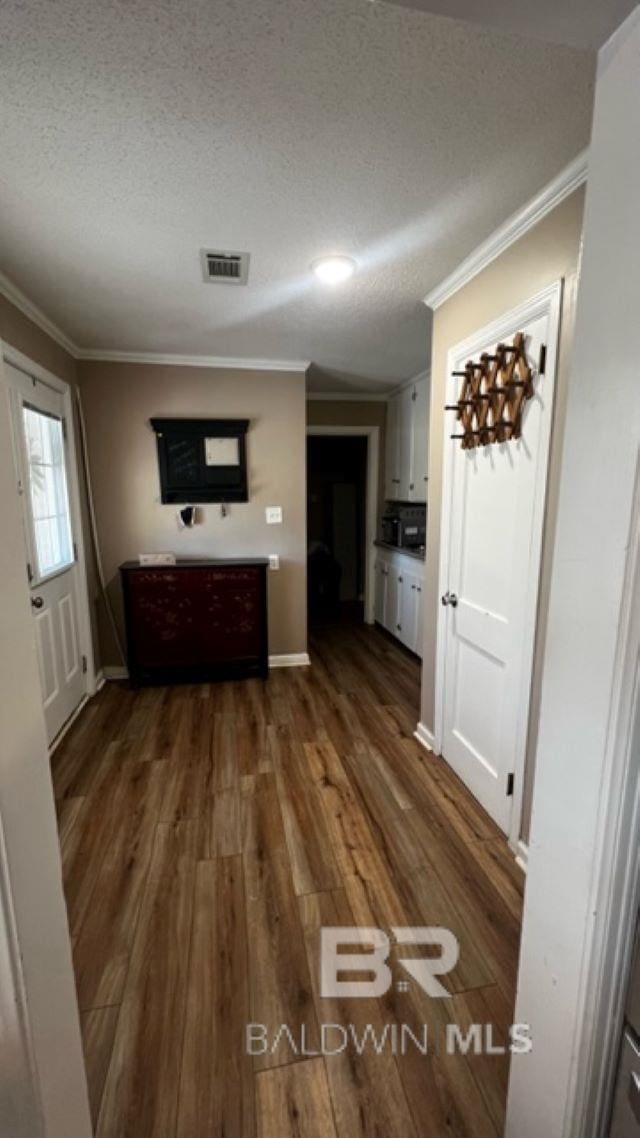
<point>372,434</point>
<point>17,359</point>
<point>547,302</point>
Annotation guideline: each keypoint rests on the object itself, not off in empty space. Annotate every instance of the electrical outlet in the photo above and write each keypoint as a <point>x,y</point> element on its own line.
<point>273,515</point>
<point>274,561</point>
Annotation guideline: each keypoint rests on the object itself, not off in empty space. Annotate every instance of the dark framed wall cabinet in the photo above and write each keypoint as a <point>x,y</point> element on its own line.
<point>196,621</point>
<point>202,460</point>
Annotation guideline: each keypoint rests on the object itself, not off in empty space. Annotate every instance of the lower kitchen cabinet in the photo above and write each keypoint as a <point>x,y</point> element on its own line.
<point>399,581</point>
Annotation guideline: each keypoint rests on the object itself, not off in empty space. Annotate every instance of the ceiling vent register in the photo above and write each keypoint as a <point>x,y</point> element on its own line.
<point>224,268</point>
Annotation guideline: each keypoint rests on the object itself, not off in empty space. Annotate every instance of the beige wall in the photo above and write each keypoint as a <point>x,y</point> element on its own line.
<point>352,413</point>
<point>549,251</point>
<point>118,401</point>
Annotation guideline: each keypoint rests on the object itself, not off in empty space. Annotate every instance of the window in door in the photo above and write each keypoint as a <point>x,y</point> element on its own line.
<point>49,498</point>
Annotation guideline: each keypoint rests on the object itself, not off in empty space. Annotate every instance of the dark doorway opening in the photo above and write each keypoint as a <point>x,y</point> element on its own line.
<point>336,521</point>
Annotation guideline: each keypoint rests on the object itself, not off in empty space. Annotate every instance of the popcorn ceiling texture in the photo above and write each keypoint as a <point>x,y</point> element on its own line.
<point>133,134</point>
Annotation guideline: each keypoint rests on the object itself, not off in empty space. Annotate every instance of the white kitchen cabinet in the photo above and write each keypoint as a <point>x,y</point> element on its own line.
<point>392,451</point>
<point>405,439</point>
<point>380,595</point>
<point>399,594</point>
<point>420,436</point>
<point>406,444</point>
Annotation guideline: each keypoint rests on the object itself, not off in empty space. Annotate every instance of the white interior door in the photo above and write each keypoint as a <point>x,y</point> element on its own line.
<point>38,415</point>
<point>493,511</point>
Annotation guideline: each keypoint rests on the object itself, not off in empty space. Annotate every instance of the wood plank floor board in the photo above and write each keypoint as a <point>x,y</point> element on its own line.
<point>208,831</point>
<point>366,1089</point>
<point>98,1033</point>
<point>141,1089</point>
<point>280,984</point>
<point>294,1101</point>
<point>216,1083</point>
<point>104,941</point>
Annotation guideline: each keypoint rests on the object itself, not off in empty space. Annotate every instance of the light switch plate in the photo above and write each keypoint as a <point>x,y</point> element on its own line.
<point>274,561</point>
<point>273,515</point>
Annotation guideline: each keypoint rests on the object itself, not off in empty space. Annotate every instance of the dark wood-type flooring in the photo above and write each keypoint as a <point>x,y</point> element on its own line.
<point>208,833</point>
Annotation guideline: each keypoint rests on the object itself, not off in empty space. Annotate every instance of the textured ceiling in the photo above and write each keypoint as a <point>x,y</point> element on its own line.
<point>132,135</point>
<point>580,23</point>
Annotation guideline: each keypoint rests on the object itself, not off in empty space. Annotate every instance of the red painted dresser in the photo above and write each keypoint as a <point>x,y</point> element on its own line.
<point>196,621</point>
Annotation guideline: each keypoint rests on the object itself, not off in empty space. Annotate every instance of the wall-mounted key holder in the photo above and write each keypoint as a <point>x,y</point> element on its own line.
<point>492,396</point>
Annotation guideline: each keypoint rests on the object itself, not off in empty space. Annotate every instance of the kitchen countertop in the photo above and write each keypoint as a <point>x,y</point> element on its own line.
<point>416,554</point>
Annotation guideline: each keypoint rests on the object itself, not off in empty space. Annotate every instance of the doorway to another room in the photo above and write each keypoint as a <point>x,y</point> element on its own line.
<point>342,503</point>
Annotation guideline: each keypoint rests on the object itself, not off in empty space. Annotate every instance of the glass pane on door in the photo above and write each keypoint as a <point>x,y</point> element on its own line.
<point>48,491</point>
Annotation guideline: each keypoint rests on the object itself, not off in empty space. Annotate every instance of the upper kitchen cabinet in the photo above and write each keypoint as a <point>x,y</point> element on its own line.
<point>406,450</point>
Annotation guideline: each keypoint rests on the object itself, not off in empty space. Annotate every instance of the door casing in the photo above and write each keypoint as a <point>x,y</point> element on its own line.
<point>547,302</point>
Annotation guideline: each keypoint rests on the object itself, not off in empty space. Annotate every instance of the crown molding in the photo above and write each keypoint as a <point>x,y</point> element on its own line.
<point>12,293</point>
<point>347,396</point>
<point>233,362</point>
<point>573,176</point>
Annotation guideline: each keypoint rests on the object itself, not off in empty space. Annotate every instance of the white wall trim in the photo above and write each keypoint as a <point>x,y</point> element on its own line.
<point>290,660</point>
<point>13,294</point>
<point>100,680</point>
<point>372,435</point>
<point>512,230</point>
<point>522,855</point>
<point>546,302</point>
<point>425,737</point>
<point>348,396</point>
<point>115,672</point>
<point>177,360</point>
<point>68,724</point>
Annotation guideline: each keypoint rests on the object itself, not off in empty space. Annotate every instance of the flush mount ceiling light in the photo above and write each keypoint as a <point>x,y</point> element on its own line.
<point>334,270</point>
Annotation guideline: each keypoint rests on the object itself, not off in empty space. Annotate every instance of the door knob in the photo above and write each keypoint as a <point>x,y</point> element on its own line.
<point>450,599</point>
<point>37,602</point>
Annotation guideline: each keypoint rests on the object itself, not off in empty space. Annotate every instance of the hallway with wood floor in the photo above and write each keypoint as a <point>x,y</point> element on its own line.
<point>208,832</point>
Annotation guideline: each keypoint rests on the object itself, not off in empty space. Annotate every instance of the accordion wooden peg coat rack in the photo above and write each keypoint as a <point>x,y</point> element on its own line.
<point>492,396</point>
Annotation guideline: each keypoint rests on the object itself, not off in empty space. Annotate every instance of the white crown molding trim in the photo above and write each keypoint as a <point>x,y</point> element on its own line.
<point>513,228</point>
<point>347,397</point>
<point>288,660</point>
<point>233,362</point>
<point>419,378</point>
<point>426,737</point>
<point>13,294</point>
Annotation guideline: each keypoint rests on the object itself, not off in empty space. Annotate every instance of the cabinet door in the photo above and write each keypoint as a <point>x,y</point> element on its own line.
<point>394,600</point>
<point>392,461</point>
<point>405,440</point>
<point>420,432</point>
<point>380,598</point>
<point>163,617</point>
<point>229,613</point>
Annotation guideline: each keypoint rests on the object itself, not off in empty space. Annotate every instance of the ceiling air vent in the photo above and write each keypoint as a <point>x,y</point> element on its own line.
<point>224,268</point>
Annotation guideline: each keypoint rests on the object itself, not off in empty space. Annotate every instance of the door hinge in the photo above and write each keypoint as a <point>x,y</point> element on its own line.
<point>64,428</point>
<point>510,784</point>
<point>29,572</point>
<point>542,362</point>
<point>84,665</point>
<point>75,551</point>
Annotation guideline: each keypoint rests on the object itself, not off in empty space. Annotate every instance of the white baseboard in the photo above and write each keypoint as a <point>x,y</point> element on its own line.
<point>69,723</point>
<point>100,680</point>
<point>522,855</point>
<point>426,737</point>
<point>290,660</point>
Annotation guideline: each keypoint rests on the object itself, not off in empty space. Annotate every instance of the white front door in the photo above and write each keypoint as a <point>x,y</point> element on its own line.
<point>493,509</point>
<point>38,416</point>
